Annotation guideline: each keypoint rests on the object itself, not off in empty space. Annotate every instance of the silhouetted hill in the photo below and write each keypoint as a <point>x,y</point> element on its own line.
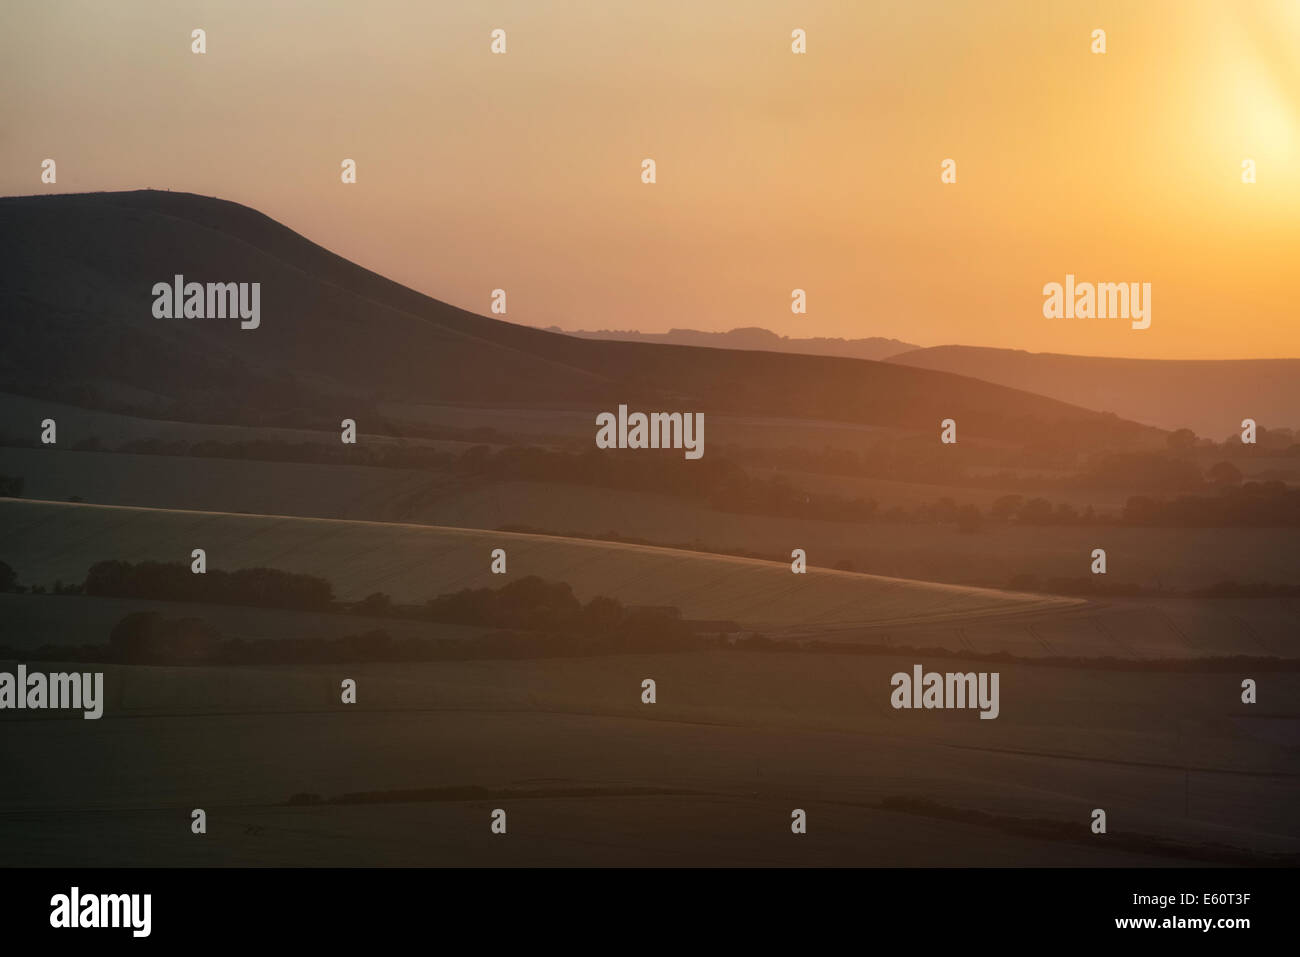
<point>1208,396</point>
<point>76,274</point>
<point>753,337</point>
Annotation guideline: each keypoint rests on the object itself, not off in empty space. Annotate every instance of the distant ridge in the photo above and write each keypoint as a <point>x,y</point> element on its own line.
<point>1208,396</point>
<point>755,338</point>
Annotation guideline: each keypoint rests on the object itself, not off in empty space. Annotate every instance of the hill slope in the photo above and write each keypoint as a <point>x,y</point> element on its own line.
<point>76,325</point>
<point>1208,396</point>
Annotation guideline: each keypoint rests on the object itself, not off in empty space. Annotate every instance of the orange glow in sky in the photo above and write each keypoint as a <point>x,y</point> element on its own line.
<point>775,171</point>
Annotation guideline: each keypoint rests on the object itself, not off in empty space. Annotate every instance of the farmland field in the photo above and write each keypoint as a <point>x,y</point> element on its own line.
<point>1177,558</point>
<point>566,424</point>
<point>587,774</point>
<point>415,562</point>
<point>19,416</point>
<point>31,621</point>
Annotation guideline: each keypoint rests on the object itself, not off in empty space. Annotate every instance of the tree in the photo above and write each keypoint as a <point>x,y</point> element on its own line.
<point>969,519</point>
<point>1181,441</point>
<point>1037,511</point>
<point>602,614</point>
<point>130,637</point>
<point>1224,473</point>
<point>8,578</point>
<point>1140,510</point>
<point>1005,507</point>
<point>376,604</point>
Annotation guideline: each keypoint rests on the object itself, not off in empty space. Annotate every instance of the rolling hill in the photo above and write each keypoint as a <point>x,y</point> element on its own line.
<point>76,325</point>
<point>1208,396</point>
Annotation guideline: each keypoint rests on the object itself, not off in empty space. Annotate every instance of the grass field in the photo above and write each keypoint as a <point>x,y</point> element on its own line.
<point>20,418</point>
<point>890,492</point>
<point>1151,557</point>
<point>412,563</point>
<point>563,425</point>
<point>709,774</point>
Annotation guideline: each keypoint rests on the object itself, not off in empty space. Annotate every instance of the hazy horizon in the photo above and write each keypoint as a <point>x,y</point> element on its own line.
<point>775,171</point>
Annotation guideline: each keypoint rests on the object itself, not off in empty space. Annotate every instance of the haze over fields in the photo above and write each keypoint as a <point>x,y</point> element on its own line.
<point>475,435</point>
<point>1208,396</point>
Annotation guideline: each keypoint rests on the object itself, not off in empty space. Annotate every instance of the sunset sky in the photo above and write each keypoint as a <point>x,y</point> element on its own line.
<point>775,171</point>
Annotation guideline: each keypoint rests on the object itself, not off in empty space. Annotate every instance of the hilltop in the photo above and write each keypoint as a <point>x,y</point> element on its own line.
<point>75,315</point>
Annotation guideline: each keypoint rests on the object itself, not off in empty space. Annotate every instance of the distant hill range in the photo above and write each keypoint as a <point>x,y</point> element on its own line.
<point>77,325</point>
<point>752,337</point>
<point>1208,396</point>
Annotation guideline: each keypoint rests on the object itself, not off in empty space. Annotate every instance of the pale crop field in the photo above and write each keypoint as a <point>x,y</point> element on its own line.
<point>411,563</point>
<point>1177,558</point>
